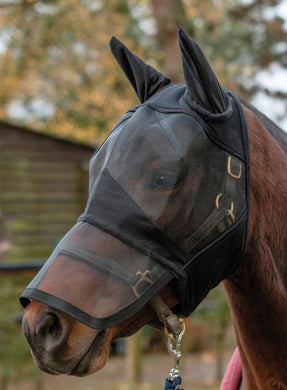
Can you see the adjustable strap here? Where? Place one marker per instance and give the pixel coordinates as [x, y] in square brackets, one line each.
[95, 260]
[222, 216]
[137, 281]
[171, 322]
[218, 215]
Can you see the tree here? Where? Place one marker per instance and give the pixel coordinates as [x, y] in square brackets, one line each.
[57, 67]
[170, 14]
[239, 38]
[58, 75]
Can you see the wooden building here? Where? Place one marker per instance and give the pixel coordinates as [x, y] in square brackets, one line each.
[43, 190]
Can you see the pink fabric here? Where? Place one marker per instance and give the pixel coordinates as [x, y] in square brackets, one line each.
[233, 376]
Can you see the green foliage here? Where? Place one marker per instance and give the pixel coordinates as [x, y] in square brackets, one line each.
[215, 311]
[57, 65]
[240, 39]
[58, 56]
[15, 358]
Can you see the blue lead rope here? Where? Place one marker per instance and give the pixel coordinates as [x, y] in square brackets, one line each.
[175, 384]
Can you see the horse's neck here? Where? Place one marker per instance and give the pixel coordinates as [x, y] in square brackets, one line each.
[257, 292]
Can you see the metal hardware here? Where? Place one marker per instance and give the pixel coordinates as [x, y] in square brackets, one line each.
[230, 211]
[173, 345]
[217, 200]
[234, 175]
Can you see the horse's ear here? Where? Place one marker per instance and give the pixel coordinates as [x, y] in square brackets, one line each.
[144, 78]
[201, 81]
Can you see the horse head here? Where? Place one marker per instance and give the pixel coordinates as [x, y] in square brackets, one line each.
[167, 214]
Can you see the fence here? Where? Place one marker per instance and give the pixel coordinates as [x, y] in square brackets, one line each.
[21, 267]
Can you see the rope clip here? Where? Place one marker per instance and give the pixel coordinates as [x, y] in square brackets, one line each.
[173, 345]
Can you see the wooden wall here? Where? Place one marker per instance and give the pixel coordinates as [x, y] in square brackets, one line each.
[43, 190]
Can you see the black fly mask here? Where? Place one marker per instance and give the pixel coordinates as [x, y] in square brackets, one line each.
[168, 199]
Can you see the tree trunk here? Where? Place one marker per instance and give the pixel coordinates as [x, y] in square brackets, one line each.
[133, 358]
[169, 14]
[4, 383]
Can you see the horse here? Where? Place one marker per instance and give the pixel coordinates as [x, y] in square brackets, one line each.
[188, 190]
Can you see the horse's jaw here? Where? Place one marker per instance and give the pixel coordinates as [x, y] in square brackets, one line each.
[67, 346]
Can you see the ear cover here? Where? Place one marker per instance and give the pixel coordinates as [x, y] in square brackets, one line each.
[202, 84]
[144, 78]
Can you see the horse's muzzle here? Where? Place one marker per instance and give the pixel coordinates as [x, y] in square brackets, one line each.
[54, 346]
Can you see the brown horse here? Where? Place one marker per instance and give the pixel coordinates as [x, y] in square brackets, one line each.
[65, 341]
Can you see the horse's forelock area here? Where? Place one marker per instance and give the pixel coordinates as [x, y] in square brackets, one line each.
[279, 134]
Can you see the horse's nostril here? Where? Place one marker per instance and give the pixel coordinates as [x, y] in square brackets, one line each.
[46, 329]
[50, 329]
[49, 325]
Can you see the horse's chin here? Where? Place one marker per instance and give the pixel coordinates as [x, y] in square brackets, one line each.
[92, 360]
[95, 358]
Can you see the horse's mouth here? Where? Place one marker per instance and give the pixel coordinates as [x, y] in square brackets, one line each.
[93, 359]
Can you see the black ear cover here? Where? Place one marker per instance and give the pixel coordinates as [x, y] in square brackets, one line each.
[145, 79]
[200, 79]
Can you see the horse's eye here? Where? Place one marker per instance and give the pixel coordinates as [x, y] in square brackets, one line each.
[163, 180]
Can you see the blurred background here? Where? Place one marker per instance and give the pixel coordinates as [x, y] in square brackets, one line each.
[61, 92]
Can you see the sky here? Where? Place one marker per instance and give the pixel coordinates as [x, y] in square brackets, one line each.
[275, 78]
